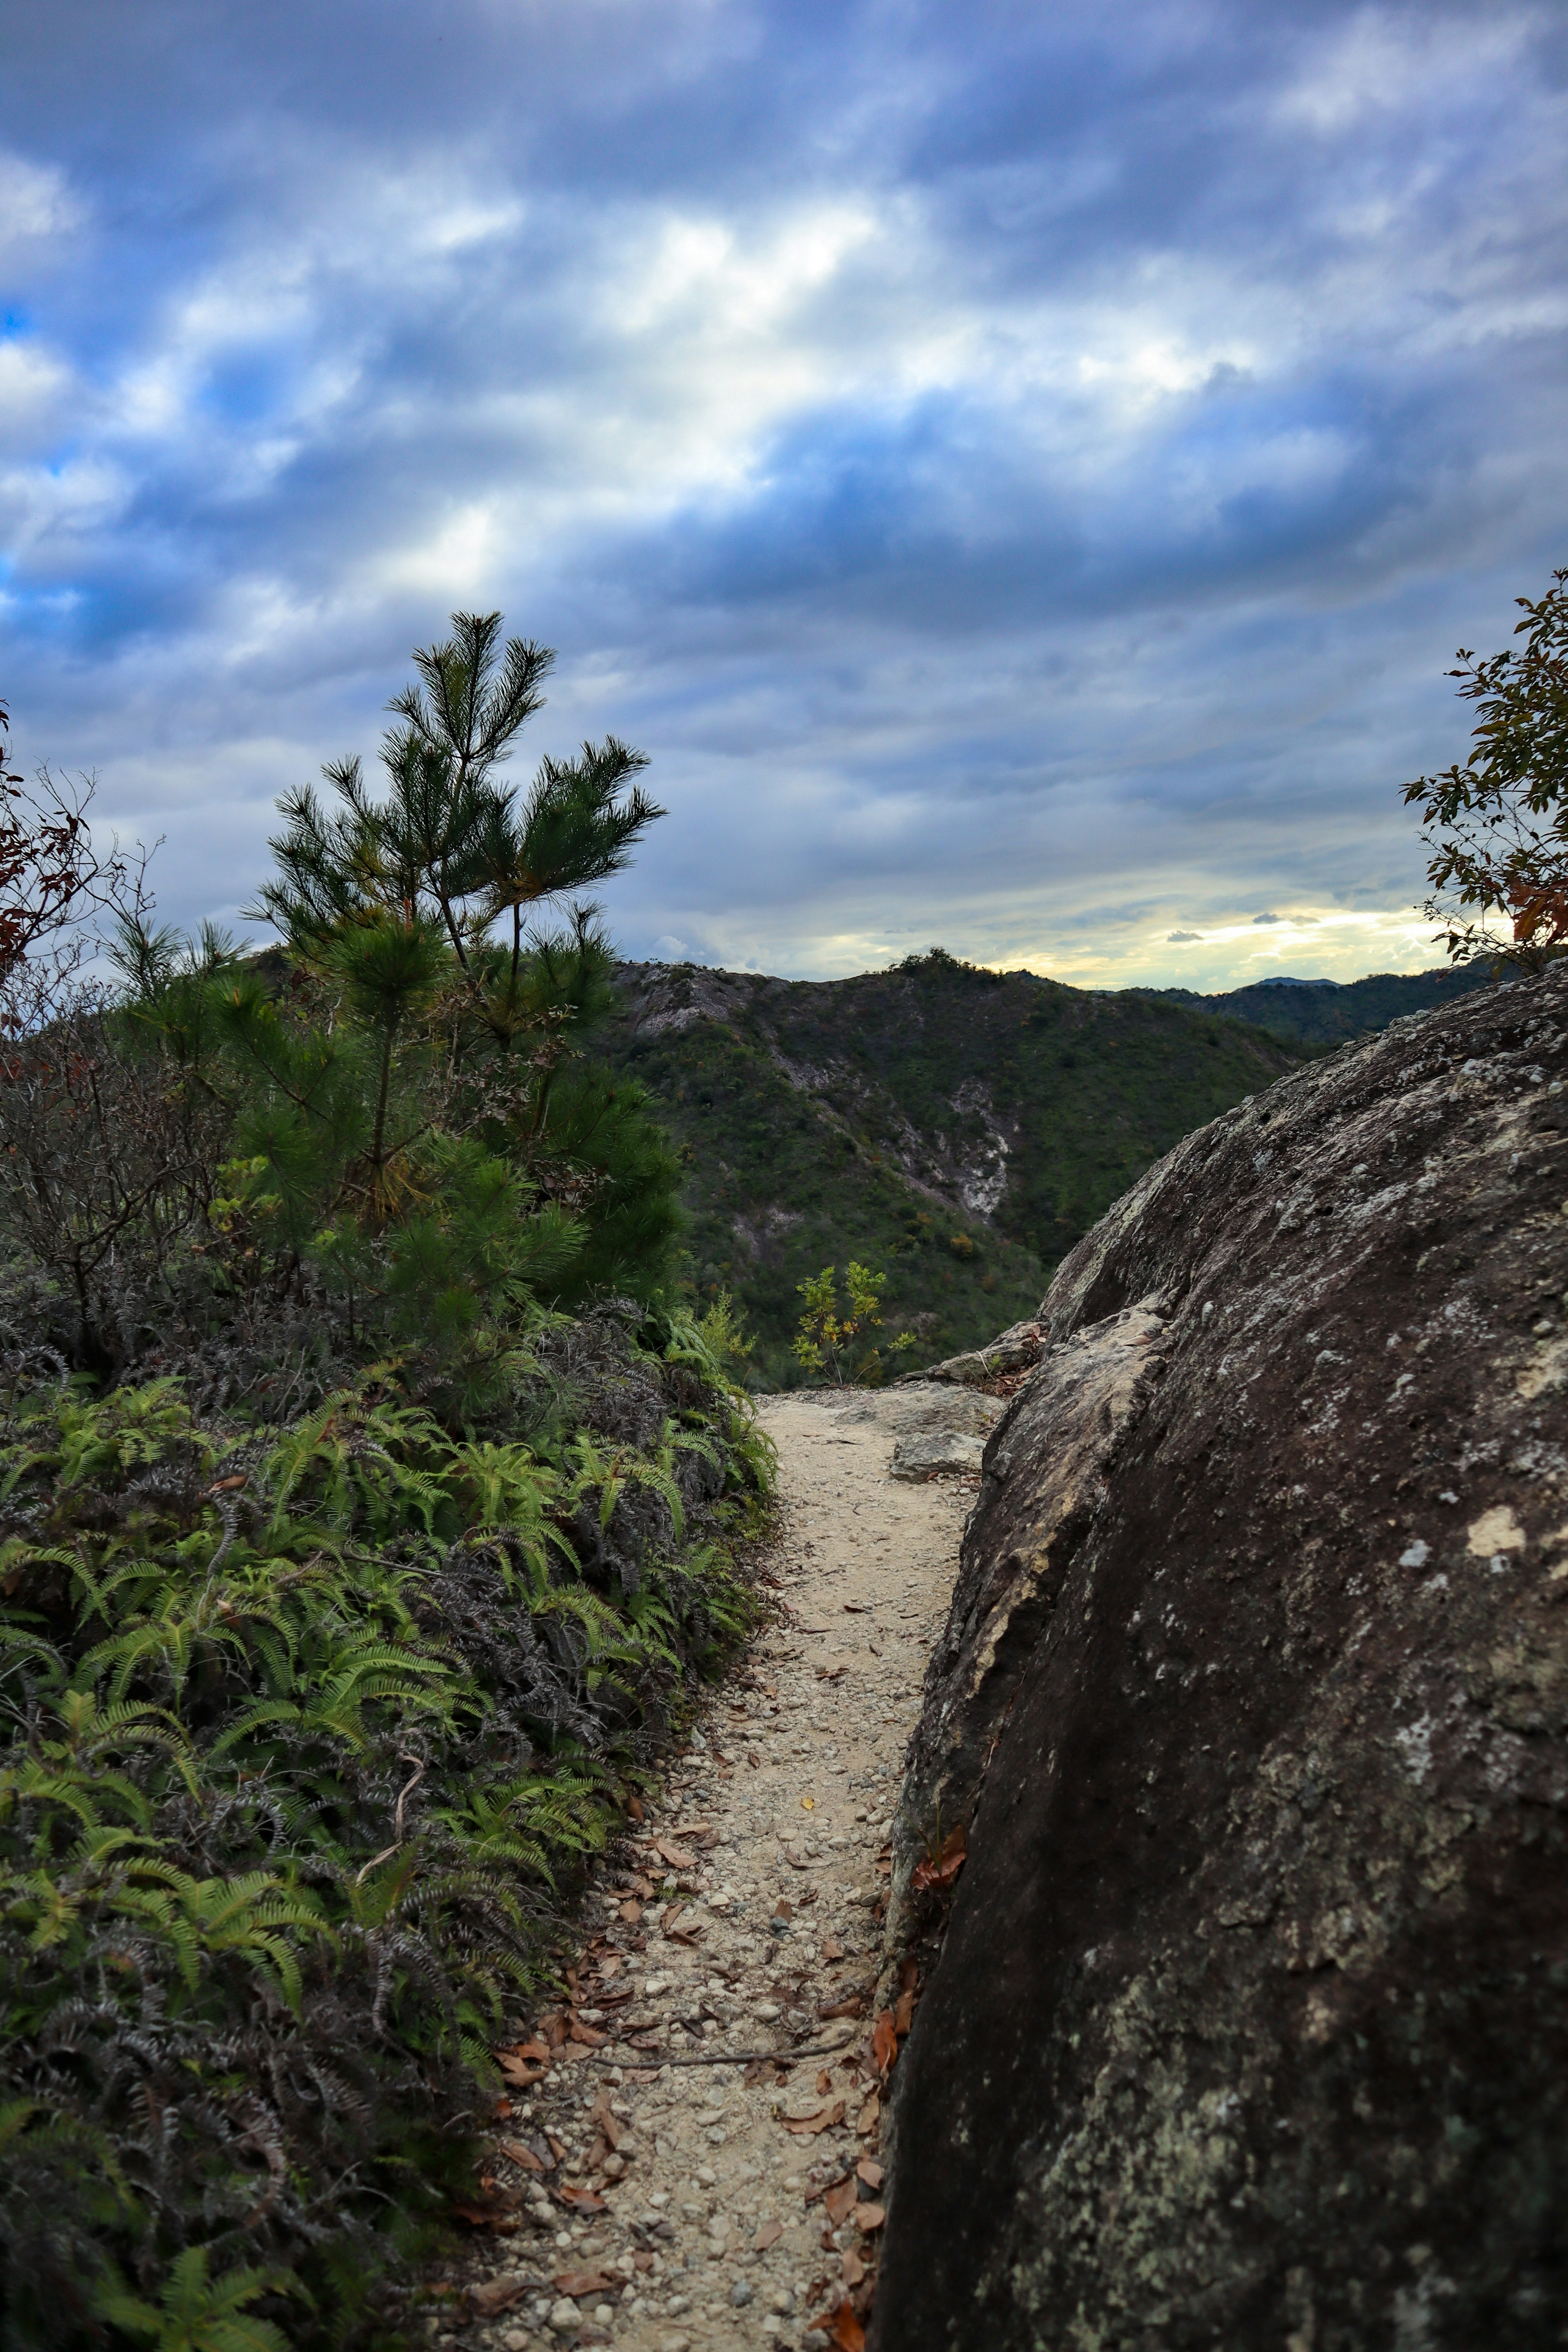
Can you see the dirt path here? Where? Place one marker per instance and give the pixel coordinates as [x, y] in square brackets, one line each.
[708, 2222]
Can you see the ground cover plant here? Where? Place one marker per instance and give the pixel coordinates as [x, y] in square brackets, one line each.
[368, 1508]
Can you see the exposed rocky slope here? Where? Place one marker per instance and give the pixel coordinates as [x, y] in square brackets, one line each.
[959, 1129]
[1251, 2026]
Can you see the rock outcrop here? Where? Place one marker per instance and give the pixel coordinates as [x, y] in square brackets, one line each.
[1017, 1349]
[1250, 2023]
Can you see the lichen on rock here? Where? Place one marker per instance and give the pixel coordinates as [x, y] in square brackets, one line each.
[1250, 2023]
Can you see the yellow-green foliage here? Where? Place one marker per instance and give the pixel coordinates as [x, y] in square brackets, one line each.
[826, 1341]
[305, 1735]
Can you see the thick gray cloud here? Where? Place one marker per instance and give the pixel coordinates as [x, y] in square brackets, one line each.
[1021, 473]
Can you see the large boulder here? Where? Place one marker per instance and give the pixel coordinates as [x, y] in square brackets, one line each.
[1249, 2025]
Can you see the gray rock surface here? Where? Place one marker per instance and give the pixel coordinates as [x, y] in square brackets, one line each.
[1015, 1351]
[936, 1454]
[1249, 2025]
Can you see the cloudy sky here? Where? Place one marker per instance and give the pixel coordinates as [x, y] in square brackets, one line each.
[1022, 471]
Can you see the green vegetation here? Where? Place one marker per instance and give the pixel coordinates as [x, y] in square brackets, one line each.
[961, 1128]
[368, 1512]
[1314, 1016]
[1498, 826]
[825, 1339]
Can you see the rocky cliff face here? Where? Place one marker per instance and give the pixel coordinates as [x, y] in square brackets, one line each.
[1250, 2024]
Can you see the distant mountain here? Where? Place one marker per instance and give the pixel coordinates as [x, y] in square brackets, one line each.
[956, 1128]
[1324, 1012]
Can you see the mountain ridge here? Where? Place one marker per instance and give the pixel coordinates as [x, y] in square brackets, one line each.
[956, 1129]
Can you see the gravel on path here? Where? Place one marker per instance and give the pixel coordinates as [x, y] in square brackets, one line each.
[709, 2224]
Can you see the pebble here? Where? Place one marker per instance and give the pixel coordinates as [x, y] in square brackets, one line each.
[740, 2294]
[564, 2316]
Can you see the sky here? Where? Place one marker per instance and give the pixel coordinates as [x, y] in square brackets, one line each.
[1022, 472]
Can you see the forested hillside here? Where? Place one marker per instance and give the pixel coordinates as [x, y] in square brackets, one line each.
[1326, 1013]
[958, 1127]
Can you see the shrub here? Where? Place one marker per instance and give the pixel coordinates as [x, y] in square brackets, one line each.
[1497, 826]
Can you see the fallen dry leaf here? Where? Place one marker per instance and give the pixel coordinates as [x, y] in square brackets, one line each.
[609, 2123]
[767, 2235]
[866, 2121]
[755, 1761]
[832, 1949]
[846, 2332]
[823, 2120]
[498, 2294]
[588, 2035]
[838, 2202]
[869, 2171]
[852, 2269]
[824, 2083]
[859, 1608]
[500, 2215]
[583, 2200]
[937, 1875]
[631, 1912]
[515, 2151]
[577, 2284]
[851, 2006]
[783, 1910]
[808, 1804]
[904, 2013]
[530, 2050]
[868, 2218]
[519, 2075]
[676, 1857]
[634, 1807]
[884, 2040]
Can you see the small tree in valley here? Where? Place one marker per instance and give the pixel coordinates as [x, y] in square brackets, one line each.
[826, 1338]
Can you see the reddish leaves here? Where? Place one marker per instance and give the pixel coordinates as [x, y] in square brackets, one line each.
[583, 2200]
[842, 2328]
[884, 2041]
[937, 1873]
[767, 2235]
[515, 2151]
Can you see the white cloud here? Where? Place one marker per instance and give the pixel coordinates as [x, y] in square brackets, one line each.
[37, 204]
